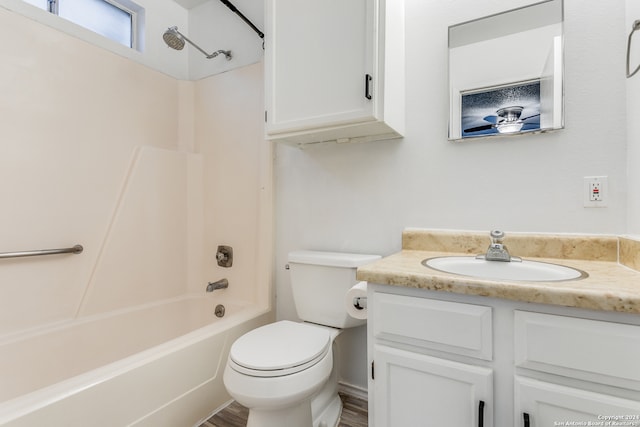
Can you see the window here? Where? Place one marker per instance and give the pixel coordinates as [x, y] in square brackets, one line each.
[106, 17]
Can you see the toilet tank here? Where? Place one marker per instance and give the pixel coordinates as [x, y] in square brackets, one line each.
[320, 280]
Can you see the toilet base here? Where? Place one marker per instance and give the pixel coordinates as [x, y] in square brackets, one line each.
[299, 416]
[326, 405]
[330, 416]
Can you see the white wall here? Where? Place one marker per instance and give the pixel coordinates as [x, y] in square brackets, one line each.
[359, 197]
[633, 125]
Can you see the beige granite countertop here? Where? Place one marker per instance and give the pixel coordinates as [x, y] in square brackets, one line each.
[611, 262]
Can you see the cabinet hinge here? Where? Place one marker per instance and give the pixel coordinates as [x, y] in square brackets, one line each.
[373, 370]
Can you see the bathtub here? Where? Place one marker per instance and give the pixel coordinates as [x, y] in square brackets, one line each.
[155, 365]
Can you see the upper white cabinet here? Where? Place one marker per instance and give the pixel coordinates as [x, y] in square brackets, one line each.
[334, 70]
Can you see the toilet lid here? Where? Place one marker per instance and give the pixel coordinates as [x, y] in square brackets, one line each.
[280, 348]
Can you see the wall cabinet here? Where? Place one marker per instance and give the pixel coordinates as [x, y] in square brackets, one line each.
[445, 359]
[334, 70]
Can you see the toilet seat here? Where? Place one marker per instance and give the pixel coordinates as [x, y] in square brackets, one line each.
[279, 349]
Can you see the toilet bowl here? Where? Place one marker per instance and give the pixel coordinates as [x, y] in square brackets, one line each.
[275, 371]
[285, 372]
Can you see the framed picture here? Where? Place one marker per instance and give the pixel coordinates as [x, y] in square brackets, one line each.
[506, 109]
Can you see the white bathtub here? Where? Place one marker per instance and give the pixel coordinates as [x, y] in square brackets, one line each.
[155, 365]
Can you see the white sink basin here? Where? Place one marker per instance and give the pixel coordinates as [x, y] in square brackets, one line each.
[530, 271]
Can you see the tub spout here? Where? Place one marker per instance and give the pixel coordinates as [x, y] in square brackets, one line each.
[220, 284]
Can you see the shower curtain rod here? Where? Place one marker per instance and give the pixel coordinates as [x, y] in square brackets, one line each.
[244, 18]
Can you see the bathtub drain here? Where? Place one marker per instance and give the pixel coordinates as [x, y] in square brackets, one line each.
[219, 311]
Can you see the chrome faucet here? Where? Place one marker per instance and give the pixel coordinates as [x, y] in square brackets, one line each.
[220, 284]
[497, 251]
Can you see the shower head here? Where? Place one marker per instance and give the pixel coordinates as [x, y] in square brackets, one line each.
[175, 40]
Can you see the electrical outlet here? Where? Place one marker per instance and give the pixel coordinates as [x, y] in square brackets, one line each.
[595, 194]
[596, 189]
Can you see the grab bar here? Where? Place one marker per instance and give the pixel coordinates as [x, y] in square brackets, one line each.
[73, 250]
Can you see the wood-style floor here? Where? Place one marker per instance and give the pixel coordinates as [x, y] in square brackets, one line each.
[354, 414]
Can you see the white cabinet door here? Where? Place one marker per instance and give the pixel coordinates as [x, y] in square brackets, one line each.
[321, 53]
[415, 390]
[542, 404]
[334, 70]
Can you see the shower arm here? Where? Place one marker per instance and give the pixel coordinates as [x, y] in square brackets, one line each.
[244, 18]
[226, 53]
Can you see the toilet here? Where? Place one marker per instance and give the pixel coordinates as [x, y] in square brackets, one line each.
[285, 372]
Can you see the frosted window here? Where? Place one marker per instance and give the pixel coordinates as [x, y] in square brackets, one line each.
[99, 16]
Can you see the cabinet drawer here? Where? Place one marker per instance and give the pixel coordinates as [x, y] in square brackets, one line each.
[590, 350]
[453, 327]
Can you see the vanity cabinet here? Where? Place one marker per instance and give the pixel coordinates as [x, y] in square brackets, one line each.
[415, 389]
[334, 70]
[599, 355]
[411, 387]
[542, 403]
[440, 358]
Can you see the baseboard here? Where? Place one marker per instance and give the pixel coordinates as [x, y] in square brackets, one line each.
[353, 390]
[215, 411]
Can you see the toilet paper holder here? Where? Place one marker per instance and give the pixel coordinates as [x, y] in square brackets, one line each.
[360, 302]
